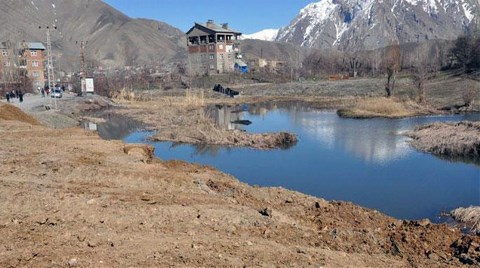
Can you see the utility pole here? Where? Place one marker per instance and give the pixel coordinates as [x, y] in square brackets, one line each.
[50, 73]
[83, 70]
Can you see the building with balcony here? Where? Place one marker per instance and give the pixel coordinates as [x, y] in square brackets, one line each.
[212, 48]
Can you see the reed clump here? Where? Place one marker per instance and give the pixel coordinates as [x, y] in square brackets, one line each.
[382, 107]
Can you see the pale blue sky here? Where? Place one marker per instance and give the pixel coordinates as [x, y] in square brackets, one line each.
[246, 16]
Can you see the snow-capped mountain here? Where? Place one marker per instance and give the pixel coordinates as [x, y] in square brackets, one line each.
[370, 24]
[265, 35]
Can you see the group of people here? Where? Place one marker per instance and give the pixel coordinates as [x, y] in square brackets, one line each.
[14, 94]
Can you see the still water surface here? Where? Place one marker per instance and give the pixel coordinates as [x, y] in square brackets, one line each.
[363, 161]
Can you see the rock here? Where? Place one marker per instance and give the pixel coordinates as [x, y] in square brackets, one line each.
[317, 205]
[465, 259]
[72, 262]
[249, 243]
[424, 222]
[266, 212]
[91, 201]
[301, 251]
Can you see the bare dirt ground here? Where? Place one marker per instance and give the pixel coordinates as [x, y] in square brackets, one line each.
[449, 140]
[69, 198]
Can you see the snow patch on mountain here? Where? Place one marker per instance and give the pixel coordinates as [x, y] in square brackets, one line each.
[266, 35]
[429, 6]
[376, 23]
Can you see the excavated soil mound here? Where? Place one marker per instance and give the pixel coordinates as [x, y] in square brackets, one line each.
[10, 112]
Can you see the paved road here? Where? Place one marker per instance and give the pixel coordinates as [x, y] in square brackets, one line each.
[31, 101]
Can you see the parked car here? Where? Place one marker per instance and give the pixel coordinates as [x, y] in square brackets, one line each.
[56, 93]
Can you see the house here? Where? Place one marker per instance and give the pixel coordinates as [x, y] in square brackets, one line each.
[212, 48]
[18, 61]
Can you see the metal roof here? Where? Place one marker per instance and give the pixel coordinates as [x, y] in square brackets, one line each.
[35, 46]
[214, 27]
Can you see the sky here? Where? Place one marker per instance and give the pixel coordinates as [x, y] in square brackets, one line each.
[246, 16]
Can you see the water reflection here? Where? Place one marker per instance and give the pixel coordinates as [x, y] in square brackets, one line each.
[117, 126]
[374, 141]
[228, 117]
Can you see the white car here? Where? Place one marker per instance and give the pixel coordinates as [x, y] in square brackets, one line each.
[56, 93]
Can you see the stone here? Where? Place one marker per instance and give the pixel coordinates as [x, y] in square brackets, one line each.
[266, 212]
[72, 262]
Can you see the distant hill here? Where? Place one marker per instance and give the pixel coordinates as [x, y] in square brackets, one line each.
[114, 39]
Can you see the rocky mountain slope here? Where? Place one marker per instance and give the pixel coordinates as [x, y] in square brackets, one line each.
[369, 24]
[114, 39]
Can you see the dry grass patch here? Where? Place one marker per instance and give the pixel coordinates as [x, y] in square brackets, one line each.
[383, 107]
[470, 215]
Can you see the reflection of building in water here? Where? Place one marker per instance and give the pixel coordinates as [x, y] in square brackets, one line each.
[225, 115]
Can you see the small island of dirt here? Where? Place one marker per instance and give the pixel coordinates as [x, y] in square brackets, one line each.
[459, 140]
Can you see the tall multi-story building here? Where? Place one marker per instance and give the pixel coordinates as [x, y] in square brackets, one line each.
[18, 61]
[212, 48]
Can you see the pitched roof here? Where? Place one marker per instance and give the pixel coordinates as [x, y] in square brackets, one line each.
[35, 46]
[213, 28]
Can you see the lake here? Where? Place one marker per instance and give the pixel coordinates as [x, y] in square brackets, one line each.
[367, 162]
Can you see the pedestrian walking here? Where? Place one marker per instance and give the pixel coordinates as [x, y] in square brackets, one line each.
[20, 96]
[7, 96]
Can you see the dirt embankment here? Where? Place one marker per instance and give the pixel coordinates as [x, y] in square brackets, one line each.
[69, 198]
[449, 140]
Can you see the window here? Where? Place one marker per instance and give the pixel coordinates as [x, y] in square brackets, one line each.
[211, 47]
[4, 53]
[36, 74]
[6, 64]
[212, 56]
[212, 67]
[33, 53]
[220, 46]
[34, 63]
[221, 56]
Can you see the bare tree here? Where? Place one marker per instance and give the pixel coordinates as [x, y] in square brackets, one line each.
[424, 68]
[354, 64]
[391, 65]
